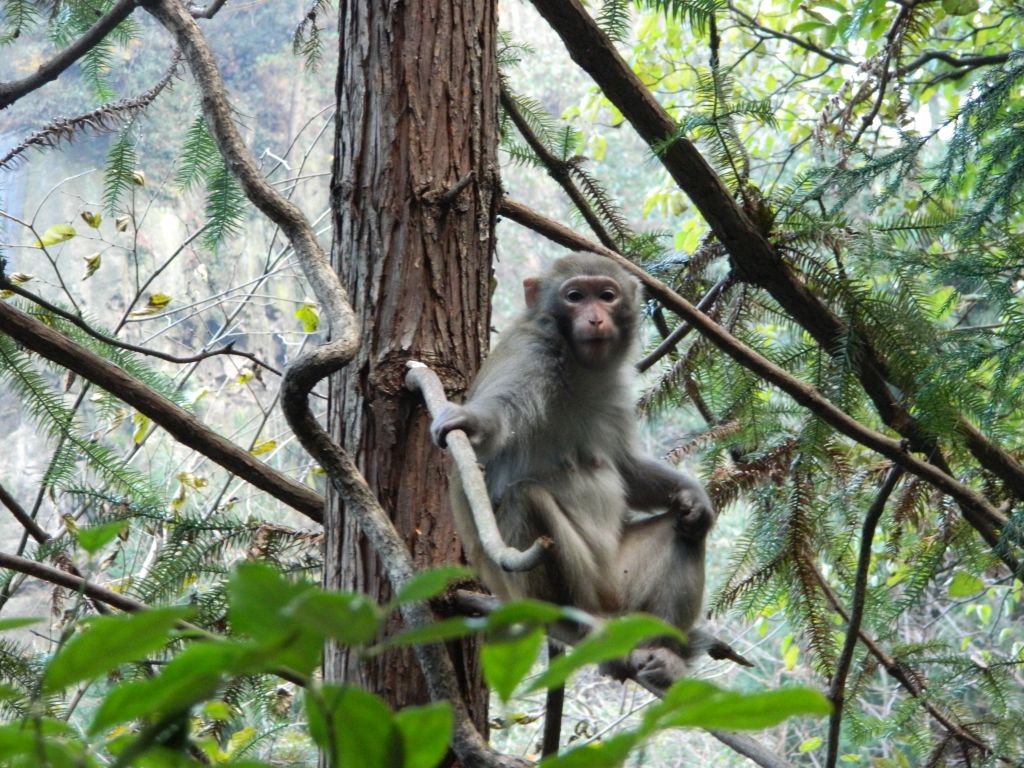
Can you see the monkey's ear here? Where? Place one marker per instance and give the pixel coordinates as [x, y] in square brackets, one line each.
[531, 290]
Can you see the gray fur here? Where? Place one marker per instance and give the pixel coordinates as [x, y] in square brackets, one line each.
[558, 441]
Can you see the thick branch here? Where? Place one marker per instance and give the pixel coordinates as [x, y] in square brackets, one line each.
[69, 581]
[421, 378]
[54, 68]
[304, 373]
[754, 257]
[977, 510]
[185, 427]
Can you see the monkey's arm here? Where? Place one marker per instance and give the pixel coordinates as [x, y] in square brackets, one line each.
[652, 484]
[510, 397]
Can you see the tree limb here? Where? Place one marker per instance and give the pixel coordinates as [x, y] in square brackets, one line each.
[185, 427]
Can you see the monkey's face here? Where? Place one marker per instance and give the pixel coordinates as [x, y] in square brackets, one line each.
[589, 312]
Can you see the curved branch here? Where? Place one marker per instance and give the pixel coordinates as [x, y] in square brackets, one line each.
[985, 518]
[186, 428]
[509, 558]
[303, 374]
[54, 68]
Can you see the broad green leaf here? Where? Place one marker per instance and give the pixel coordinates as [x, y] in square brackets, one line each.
[439, 632]
[351, 619]
[425, 733]
[605, 754]
[960, 7]
[265, 447]
[612, 641]
[142, 421]
[17, 623]
[528, 612]
[353, 727]
[257, 599]
[192, 676]
[431, 583]
[308, 315]
[699, 704]
[107, 642]
[92, 219]
[92, 540]
[507, 662]
[965, 584]
[811, 744]
[58, 233]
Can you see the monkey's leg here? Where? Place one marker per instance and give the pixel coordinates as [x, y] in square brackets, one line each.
[554, 707]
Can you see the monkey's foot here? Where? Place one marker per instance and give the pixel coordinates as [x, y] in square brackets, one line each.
[656, 667]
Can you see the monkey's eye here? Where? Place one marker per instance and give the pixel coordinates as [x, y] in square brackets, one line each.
[608, 295]
[574, 296]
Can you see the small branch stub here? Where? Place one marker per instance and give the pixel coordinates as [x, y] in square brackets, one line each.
[421, 378]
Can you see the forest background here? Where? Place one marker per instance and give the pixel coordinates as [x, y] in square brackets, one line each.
[875, 149]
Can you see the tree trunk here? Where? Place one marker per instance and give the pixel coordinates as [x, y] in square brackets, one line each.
[414, 197]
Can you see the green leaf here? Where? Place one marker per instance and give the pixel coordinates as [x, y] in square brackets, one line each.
[438, 632]
[612, 641]
[605, 754]
[92, 540]
[507, 662]
[58, 233]
[965, 584]
[699, 704]
[353, 727]
[109, 641]
[308, 315]
[17, 622]
[431, 583]
[193, 675]
[257, 599]
[350, 619]
[960, 7]
[425, 733]
[811, 744]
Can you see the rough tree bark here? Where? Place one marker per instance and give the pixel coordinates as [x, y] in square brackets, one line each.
[414, 194]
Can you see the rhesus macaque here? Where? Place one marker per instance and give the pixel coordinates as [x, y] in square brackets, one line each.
[551, 415]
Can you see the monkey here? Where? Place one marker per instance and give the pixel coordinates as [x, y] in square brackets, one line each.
[552, 419]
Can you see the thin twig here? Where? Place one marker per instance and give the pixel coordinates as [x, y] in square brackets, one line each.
[680, 332]
[837, 688]
[74, 319]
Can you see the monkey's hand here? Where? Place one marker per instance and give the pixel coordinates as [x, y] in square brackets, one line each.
[453, 417]
[695, 514]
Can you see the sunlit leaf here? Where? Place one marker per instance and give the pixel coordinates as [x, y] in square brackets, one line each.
[58, 233]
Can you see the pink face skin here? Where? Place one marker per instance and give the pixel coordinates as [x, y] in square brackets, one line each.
[590, 302]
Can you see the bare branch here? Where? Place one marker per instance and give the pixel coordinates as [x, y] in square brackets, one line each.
[185, 427]
[421, 378]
